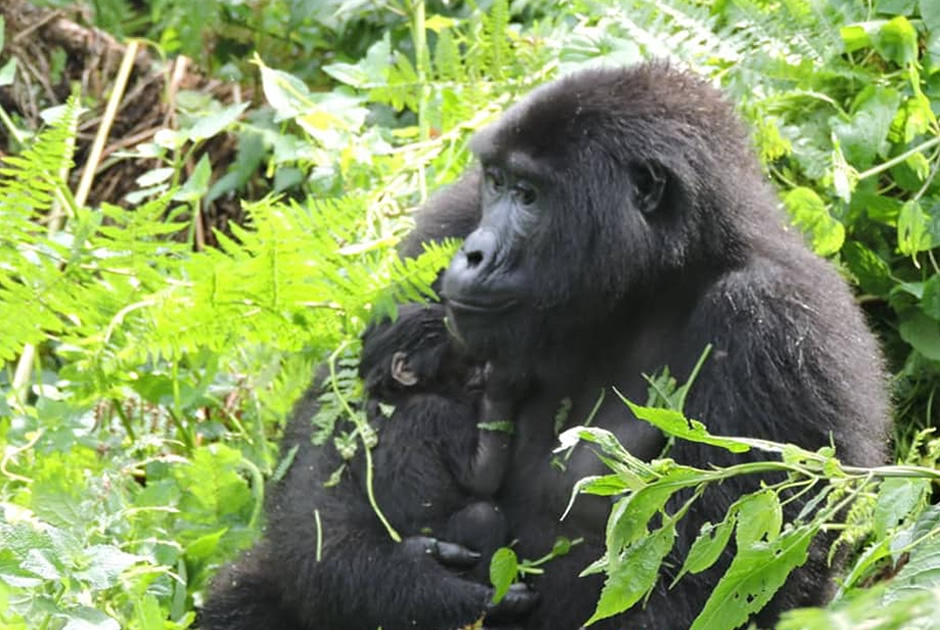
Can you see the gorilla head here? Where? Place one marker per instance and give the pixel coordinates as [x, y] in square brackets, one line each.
[595, 190]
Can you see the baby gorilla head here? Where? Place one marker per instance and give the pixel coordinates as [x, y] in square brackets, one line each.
[415, 353]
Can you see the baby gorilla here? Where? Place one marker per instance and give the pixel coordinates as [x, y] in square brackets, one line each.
[433, 470]
[441, 452]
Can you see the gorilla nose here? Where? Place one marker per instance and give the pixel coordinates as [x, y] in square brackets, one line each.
[479, 249]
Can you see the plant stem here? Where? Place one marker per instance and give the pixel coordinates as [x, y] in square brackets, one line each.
[884, 166]
[110, 112]
[362, 430]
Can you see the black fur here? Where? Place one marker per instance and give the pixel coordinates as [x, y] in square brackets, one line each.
[433, 469]
[431, 454]
[624, 225]
[617, 224]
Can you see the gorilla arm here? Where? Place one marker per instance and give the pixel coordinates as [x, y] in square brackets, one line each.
[337, 567]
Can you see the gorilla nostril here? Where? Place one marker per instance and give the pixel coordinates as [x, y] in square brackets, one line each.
[474, 258]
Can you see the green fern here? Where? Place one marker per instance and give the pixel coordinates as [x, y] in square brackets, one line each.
[31, 261]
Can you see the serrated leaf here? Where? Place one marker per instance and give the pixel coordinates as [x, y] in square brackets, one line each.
[922, 571]
[634, 573]
[809, 213]
[864, 137]
[760, 518]
[106, 565]
[39, 562]
[755, 574]
[674, 423]
[708, 545]
[504, 567]
[897, 498]
[630, 515]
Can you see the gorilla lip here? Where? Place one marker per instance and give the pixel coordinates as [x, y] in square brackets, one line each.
[481, 307]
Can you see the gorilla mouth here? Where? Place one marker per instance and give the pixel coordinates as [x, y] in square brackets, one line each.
[481, 306]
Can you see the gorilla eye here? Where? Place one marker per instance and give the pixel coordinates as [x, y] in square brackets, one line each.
[525, 193]
[494, 178]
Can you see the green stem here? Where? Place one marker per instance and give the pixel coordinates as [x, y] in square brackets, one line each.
[884, 166]
[422, 57]
[363, 431]
[257, 490]
[125, 421]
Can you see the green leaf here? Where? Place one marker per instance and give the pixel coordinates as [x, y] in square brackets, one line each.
[197, 185]
[897, 41]
[930, 14]
[922, 571]
[707, 547]
[864, 137]
[504, 567]
[205, 546]
[760, 517]
[872, 272]
[897, 498]
[209, 125]
[856, 36]
[106, 565]
[633, 574]
[913, 233]
[604, 485]
[630, 515]
[922, 333]
[674, 423]
[755, 574]
[148, 614]
[930, 302]
[895, 7]
[85, 618]
[8, 72]
[810, 214]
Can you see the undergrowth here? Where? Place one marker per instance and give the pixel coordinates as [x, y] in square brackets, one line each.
[146, 376]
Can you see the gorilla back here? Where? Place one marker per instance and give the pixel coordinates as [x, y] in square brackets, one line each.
[620, 223]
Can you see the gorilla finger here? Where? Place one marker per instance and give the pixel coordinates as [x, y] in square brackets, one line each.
[455, 555]
[518, 601]
[449, 554]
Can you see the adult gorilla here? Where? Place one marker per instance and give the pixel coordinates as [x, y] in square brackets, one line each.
[618, 223]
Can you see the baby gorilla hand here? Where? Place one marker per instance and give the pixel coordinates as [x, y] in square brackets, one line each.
[511, 609]
[449, 554]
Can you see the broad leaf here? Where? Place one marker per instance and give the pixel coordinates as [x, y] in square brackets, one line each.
[504, 567]
[634, 574]
[755, 574]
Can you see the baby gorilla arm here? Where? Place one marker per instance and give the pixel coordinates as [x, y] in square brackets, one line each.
[487, 467]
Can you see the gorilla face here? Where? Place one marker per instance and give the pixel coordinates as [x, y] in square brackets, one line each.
[573, 220]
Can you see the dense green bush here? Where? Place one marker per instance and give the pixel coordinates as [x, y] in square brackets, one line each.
[146, 377]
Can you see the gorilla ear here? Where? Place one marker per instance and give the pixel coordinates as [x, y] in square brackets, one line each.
[401, 370]
[650, 181]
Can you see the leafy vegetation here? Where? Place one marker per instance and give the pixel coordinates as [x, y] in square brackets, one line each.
[146, 374]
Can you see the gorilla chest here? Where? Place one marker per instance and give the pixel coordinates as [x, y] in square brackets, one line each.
[540, 479]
